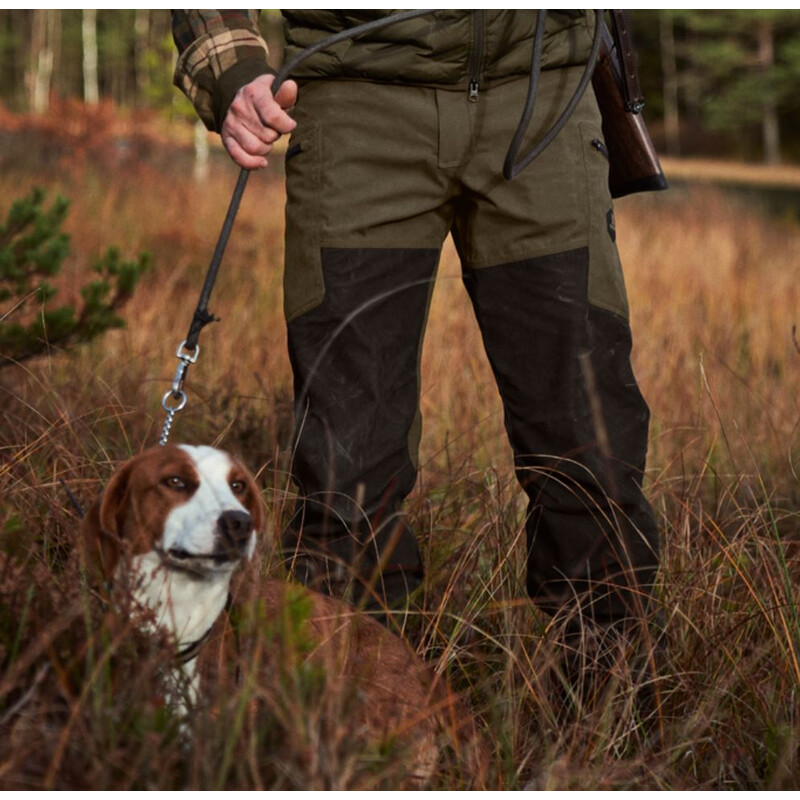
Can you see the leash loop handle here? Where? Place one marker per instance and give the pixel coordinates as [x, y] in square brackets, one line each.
[514, 164]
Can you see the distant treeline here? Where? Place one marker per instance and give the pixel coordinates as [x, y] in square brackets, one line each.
[716, 82]
[722, 82]
[125, 56]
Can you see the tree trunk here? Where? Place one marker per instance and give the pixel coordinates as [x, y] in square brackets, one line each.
[770, 128]
[669, 71]
[141, 44]
[200, 152]
[21, 35]
[45, 34]
[91, 86]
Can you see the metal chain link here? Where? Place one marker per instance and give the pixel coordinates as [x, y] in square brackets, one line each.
[171, 412]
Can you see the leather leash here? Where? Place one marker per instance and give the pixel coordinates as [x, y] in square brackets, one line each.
[174, 399]
[188, 350]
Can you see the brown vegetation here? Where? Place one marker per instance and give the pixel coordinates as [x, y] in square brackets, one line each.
[714, 293]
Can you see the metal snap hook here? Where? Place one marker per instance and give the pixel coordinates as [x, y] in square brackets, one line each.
[189, 356]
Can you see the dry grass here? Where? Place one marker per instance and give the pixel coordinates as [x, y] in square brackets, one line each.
[785, 176]
[714, 292]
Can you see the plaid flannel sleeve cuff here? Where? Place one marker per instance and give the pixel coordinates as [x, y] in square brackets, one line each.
[213, 67]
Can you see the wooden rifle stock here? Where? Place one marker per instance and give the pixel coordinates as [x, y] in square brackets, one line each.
[633, 162]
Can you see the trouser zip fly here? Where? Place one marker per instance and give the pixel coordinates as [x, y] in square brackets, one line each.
[476, 59]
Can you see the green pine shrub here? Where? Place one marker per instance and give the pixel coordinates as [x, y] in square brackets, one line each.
[32, 251]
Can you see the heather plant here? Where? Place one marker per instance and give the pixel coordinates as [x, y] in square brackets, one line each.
[715, 291]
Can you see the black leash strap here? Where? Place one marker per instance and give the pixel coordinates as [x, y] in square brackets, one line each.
[202, 316]
[174, 399]
[189, 349]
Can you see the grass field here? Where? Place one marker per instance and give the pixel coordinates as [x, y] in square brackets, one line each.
[715, 292]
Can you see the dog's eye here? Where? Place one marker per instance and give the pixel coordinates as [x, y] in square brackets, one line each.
[175, 482]
[237, 487]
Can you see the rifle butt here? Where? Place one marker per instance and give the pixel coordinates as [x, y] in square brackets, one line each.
[633, 162]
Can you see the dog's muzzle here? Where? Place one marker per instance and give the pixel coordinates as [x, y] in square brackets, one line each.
[235, 529]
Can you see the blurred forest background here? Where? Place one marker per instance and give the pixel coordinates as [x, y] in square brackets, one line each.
[721, 83]
[108, 179]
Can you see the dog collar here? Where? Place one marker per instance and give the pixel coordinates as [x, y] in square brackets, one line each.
[190, 651]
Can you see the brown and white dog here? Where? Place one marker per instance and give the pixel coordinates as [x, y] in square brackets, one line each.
[173, 525]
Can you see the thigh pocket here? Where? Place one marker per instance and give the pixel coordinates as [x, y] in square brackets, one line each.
[606, 282]
[303, 284]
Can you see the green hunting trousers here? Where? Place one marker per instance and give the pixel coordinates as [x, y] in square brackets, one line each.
[377, 176]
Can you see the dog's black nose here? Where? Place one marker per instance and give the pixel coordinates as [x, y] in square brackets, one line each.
[235, 528]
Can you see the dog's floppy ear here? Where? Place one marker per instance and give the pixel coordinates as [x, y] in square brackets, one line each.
[101, 529]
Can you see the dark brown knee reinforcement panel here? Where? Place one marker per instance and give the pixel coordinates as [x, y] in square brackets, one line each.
[557, 360]
[357, 392]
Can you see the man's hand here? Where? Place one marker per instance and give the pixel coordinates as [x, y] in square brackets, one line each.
[256, 120]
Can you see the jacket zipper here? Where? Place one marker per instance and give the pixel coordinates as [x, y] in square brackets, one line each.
[476, 58]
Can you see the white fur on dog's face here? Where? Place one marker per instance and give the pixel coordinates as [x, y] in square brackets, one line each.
[192, 527]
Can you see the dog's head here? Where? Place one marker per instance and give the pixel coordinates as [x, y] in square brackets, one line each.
[197, 508]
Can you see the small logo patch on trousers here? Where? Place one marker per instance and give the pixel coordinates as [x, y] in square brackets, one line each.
[612, 229]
